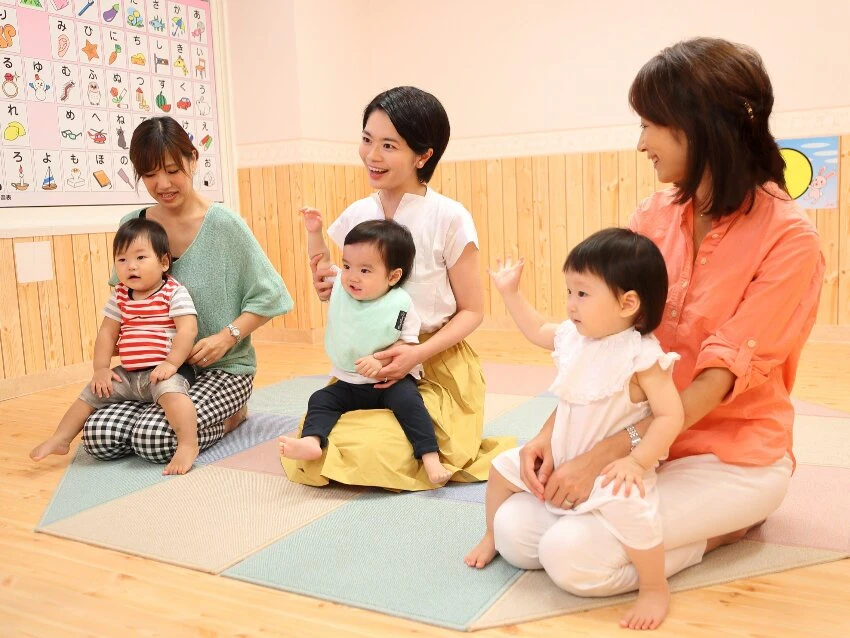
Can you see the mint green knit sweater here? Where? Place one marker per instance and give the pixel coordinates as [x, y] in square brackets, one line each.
[227, 273]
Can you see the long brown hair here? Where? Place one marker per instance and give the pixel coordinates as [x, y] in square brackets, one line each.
[719, 95]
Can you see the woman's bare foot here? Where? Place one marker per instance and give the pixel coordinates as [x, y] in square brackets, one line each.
[182, 460]
[730, 538]
[650, 608]
[235, 420]
[482, 554]
[437, 473]
[306, 449]
[52, 445]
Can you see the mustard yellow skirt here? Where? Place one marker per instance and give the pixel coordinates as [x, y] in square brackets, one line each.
[368, 447]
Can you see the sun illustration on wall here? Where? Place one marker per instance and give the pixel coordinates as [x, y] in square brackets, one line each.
[798, 171]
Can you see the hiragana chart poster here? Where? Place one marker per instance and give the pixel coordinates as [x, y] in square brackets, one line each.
[78, 76]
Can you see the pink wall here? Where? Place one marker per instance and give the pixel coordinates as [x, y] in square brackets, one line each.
[503, 67]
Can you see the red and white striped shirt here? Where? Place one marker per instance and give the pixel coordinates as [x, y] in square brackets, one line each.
[147, 325]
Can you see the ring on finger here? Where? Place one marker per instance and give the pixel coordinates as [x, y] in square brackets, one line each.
[568, 504]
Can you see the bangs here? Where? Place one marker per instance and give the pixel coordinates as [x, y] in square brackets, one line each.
[651, 95]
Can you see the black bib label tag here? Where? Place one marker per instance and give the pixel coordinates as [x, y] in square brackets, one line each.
[400, 321]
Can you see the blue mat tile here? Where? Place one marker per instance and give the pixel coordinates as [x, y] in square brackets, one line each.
[366, 554]
[89, 482]
[524, 421]
[287, 397]
[258, 428]
[465, 492]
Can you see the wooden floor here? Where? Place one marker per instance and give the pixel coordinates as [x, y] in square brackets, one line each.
[54, 587]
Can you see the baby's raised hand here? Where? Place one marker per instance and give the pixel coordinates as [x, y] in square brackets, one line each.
[101, 382]
[312, 219]
[625, 471]
[506, 276]
[368, 366]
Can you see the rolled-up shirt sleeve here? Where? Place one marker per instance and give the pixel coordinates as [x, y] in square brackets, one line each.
[775, 313]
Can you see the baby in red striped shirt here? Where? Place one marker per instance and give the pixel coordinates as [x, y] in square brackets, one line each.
[151, 319]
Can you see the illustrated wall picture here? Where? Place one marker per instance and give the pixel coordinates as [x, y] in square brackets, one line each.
[811, 170]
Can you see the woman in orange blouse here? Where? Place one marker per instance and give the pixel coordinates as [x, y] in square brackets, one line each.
[745, 272]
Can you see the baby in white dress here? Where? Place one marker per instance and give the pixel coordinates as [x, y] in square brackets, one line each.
[612, 374]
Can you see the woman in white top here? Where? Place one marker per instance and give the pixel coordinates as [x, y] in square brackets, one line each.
[405, 132]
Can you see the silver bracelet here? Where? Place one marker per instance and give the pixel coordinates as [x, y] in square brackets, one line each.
[634, 437]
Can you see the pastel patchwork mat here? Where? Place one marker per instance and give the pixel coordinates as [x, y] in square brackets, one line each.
[236, 515]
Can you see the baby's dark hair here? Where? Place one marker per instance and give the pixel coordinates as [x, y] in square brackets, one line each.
[625, 260]
[141, 227]
[419, 118]
[393, 241]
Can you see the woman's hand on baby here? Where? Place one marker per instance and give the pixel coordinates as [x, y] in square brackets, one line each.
[368, 366]
[507, 275]
[312, 219]
[163, 371]
[210, 349]
[536, 463]
[572, 482]
[625, 471]
[323, 288]
[398, 360]
[101, 382]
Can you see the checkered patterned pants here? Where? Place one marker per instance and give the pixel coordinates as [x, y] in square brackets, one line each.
[141, 428]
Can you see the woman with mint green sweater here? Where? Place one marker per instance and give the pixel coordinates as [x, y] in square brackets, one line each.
[232, 283]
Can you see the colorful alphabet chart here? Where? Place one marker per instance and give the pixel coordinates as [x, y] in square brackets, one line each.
[78, 76]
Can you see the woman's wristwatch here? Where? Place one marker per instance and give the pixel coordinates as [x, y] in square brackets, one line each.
[234, 332]
[634, 437]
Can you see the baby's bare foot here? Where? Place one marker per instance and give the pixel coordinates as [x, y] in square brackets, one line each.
[50, 446]
[182, 460]
[437, 473]
[235, 420]
[649, 609]
[306, 449]
[483, 553]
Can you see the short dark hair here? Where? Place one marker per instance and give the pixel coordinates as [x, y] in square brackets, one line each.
[393, 241]
[142, 227]
[625, 260]
[719, 94]
[155, 141]
[419, 118]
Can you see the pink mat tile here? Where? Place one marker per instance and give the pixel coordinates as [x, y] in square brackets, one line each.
[814, 409]
[506, 378]
[815, 513]
[262, 458]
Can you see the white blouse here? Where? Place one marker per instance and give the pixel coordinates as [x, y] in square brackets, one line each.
[441, 229]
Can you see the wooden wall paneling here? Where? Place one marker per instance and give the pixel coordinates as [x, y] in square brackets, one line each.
[51, 322]
[542, 252]
[436, 181]
[361, 183]
[626, 185]
[592, 196]
[11, 337]
[463, 173]
[448, 180]
[31, 333]
[844, 231]
[244, 177]
[829, 228]
[313, 195]
[558, 233]
[574, 166]
[100, 272]
[303, 280]
[258, 208]
[609, 192]
[495, 232]
[272, 217]
[86, 310]
[645, 177]
[510, 247]
[479, 210]
[66, 288]
[110, 239]
[287, 250]
[526, 226]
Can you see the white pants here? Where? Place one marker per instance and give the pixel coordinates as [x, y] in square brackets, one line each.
[700, 497]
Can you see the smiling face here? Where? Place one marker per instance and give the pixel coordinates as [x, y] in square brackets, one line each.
[594, 309]
[171, 185]
[667, 149]
[364, 274]
[138, 267]
[391, 164]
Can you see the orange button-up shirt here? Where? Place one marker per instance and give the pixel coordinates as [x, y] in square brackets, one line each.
[747, 302]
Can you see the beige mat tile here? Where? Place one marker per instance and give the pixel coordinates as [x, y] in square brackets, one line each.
[497, 404]
[822, 440]
[534, 596]
[208, 519]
